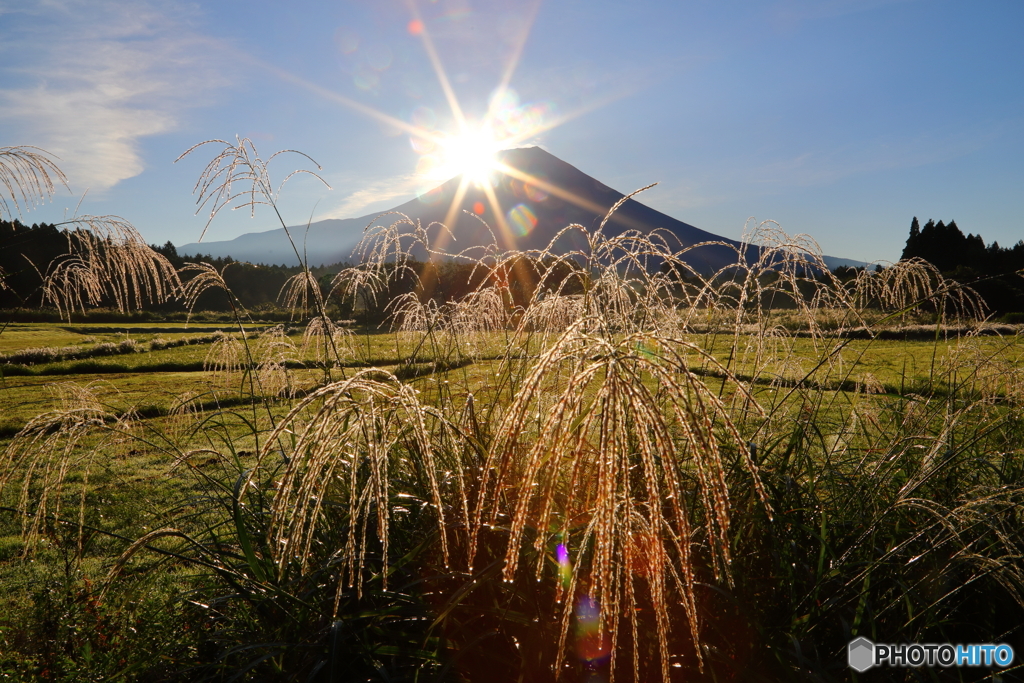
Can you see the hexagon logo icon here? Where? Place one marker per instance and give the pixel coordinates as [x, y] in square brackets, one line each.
[861, 654]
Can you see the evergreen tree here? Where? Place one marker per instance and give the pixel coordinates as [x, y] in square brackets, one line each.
[910, 251]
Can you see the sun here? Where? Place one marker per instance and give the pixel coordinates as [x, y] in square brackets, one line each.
[473, 154]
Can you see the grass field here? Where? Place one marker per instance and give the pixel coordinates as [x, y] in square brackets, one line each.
[155, 379]
[599, 465]
[176, 429]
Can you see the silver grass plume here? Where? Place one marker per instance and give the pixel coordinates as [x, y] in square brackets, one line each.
[611, 461]
[28, 176]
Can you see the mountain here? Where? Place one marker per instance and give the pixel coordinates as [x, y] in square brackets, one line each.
[538, 195]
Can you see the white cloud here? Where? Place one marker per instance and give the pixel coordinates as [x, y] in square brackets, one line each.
[379, 195]
[86, 80]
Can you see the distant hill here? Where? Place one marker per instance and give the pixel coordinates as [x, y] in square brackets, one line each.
[538, 197]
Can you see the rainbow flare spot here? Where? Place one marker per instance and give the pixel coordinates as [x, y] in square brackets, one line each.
[592, 641]
[522, 219]
[564, 567]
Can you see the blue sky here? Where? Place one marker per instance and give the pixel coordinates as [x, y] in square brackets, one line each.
[841, 119]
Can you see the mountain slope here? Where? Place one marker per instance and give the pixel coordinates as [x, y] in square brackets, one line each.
[537, 194]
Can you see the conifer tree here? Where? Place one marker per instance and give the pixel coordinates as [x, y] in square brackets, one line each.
[913, 245]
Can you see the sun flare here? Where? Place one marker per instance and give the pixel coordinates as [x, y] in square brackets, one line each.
[471, 154]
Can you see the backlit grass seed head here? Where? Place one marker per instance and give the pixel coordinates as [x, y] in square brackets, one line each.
[273, 350]
[237, 177]
[910, 283]
[984, 367]
[632, 437]
[772, 354]
[484, 310]
[617, 279]
[273, 379]
[350, 445]
[185, 413]
[360, 285]
[46, 465]
[71, 286]
[389, 247]
[29, 177]
[789, 270]
[301, 293]
[324, 340]
[226, 357]
[108, 259]
[553, 313]
[200, 278]
[408, 314]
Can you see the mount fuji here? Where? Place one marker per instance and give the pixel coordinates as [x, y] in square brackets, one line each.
[537, 195]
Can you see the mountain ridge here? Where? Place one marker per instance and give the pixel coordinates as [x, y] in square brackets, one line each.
[537, 195]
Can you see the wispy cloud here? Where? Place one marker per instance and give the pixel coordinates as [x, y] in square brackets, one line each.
[87, 79]
[378, 195]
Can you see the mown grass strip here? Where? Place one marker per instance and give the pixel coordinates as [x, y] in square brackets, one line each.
[404, 371]
[933, 389]
[92, 367]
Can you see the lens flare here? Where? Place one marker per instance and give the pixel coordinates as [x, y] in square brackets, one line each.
[511, 119]
[522, 219]
[347, 40]
[423, 117]
[427, 165]
[527, 190]
[534, 193]
[646, 351]
[564, 567]
[379, 56]
[593, 644]
[365, 78]
[422, 145]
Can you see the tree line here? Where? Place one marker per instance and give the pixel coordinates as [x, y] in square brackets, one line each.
[990, 270]
[27, 254]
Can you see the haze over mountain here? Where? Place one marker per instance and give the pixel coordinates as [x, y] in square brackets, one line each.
[538, 195]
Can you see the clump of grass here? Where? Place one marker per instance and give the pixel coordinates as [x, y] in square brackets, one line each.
[225, 357]
[914, 283]
[610, 443]
[55, 451]
[365, 434]
[107, 260]
[272, 353]
[325, 340]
